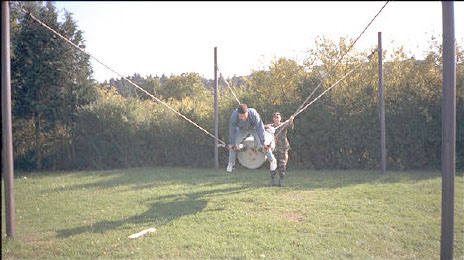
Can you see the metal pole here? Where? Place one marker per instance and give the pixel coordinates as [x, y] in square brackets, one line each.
[216, 156]
[448, 146]
[7, 143]
[383, 154]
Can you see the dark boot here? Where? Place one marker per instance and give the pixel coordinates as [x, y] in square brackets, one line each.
[281, 182]
[272, 181]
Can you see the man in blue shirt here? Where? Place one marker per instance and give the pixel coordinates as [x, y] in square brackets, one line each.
[244, 121]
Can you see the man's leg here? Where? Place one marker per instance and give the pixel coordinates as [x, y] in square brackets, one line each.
[241, 136]
[232, 154]
[273, 174]
[272, 160]
[282, 158]
[231, 163]
[256, 139]
[270, 157]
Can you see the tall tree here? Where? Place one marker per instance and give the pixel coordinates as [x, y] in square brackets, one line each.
[50, 78]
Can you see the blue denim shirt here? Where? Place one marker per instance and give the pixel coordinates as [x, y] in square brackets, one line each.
[253, 122]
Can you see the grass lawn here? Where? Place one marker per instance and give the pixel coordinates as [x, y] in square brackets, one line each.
[208, 214]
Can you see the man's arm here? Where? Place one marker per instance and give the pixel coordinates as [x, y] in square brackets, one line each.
[258, 125]
[285, 125]
[289, 123]
[233, 127]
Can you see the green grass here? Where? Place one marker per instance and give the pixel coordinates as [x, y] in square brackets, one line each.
[207, 214]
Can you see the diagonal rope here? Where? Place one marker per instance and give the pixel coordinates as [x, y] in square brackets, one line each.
[323, 93]
[299, 110]
[128, 80]
[220, 76]
[369, 24]
[333, 85]
[303, 106]
[310, 95]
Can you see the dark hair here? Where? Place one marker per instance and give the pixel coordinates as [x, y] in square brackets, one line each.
[242, 108]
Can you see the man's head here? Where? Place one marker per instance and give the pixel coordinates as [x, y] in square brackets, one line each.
[242, 110]
[276, 117]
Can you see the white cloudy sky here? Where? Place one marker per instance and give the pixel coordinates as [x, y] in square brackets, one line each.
[176, 37]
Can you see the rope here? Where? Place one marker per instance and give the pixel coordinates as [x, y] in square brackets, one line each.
[323, 93]
[297, 112]
[310, 95]
[128, 80]
[333, 85]
[381, 9]
[236, 99]
[302, 107]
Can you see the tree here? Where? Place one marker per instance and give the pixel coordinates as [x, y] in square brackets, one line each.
[278, 89]
[185, 85]
[50, 79]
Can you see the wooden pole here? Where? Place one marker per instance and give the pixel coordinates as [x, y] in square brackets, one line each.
[448, 146]
[7, 139]
[383, 154]
[216, 156]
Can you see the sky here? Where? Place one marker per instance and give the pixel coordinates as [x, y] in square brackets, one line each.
[175, 37]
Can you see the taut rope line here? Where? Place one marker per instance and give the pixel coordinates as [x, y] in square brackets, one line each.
[323, 93]
[298, 111]
[333, 85]
[235, 96]
[339, 60]
[303, 106]
[128, 80]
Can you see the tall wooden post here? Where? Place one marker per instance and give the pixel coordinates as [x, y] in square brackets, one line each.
[7, 137]
[448, 146]
[216, 156]
[383, 154]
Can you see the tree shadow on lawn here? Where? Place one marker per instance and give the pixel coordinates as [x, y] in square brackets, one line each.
[165, 209]
[142, 178]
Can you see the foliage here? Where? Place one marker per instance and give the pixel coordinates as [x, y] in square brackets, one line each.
[50, 80]
[127, 132]
[63, 120]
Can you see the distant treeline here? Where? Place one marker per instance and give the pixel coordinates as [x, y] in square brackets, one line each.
[64, 120]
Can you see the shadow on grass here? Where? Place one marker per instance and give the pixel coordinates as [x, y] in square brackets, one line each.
[161, 212]
[332, 179]
[146, 178]
[142, 178]
[340, 178]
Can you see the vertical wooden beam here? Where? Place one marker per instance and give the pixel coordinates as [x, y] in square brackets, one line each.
[448, 147]
[383, 154]
[216, 156]
[7, 137]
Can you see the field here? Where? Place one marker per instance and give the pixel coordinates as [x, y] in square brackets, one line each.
[208, 214]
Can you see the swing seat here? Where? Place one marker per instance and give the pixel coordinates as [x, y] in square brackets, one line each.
[252, 158]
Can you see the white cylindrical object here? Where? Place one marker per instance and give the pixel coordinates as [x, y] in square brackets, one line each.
[254, 159]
